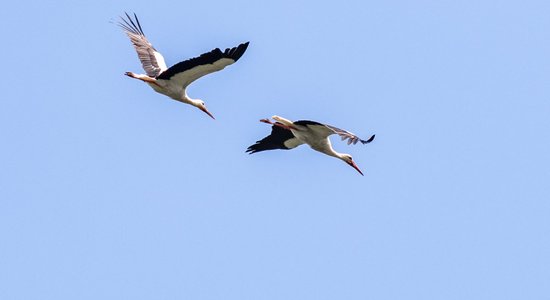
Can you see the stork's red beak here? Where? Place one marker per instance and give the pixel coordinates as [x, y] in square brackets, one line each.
[207, 112]
[351, 163]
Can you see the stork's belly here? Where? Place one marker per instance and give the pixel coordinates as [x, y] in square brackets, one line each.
[169, 91]
[315, 142]
[306, 138]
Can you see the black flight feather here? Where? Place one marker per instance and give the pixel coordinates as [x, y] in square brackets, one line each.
[207, 58]
[276, 140]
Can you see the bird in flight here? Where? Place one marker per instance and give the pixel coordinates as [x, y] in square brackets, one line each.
[174, 81]
[286, 134]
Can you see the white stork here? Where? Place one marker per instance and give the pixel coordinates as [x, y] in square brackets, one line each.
[173, 81]
[286, 134]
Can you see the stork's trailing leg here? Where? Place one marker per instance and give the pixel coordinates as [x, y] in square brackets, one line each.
[143, 78]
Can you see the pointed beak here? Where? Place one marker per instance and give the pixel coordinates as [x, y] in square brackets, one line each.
[351, 163]
[207, 112]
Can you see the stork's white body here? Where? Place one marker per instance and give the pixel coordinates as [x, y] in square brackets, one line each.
[170, 89]
[315, 135]
[287, 135]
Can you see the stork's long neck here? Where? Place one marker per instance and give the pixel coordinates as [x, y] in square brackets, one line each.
[326, 148]
[188, 100]
[331, 152]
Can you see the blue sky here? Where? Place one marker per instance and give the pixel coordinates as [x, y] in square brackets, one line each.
[111, 191]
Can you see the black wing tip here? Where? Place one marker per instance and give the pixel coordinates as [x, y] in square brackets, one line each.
[131, 25]
[254, 148]
[369, 140]
[128, 15]
[259, 146]
[235, 53]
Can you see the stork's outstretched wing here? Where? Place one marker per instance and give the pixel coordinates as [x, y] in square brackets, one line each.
[185, 72]
[151, 60]
[352, 138]
[280, 138]
[325, 130]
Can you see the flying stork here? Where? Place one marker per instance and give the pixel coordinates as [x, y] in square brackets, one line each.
[286, 134]
[173, 81]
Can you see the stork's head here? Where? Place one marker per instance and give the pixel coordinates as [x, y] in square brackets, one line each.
[200, 105]
[349, 160]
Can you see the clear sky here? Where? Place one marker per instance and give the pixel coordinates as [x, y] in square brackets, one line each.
[109, 190]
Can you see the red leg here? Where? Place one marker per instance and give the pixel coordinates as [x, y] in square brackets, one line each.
[142, 78]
